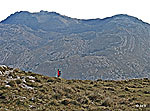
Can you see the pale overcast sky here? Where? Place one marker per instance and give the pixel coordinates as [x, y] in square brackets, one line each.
[82, 9]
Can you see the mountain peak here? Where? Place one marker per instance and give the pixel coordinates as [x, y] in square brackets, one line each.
[46, 12]
[16, 15]
[129, 17]
[37, 19]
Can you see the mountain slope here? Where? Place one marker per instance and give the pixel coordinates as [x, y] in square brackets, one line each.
[20, 90]
[112, 48]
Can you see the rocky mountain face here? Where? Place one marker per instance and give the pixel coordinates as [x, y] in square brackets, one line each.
[28, 91]
[116, 47]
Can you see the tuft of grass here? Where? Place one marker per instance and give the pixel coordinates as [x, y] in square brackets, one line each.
[12, 83]
[107, 102]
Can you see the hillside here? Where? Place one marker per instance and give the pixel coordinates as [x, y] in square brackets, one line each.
[113, 48]
[22, 91]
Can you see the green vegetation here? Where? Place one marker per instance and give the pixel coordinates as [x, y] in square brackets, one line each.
[24, 91]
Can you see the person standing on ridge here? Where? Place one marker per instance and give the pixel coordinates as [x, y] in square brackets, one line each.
[58, 73]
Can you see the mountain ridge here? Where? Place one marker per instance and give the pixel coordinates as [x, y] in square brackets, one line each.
[58, 14]
[116, 47]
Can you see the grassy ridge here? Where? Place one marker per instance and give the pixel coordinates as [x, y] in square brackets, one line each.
[24, 91]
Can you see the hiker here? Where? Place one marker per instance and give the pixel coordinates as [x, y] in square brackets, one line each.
[58, 73]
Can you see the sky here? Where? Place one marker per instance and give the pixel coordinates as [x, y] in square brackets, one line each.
[81, 9]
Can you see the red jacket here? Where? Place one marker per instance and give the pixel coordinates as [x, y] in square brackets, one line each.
[58, 73]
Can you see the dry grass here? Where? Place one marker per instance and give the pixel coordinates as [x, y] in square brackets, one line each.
[42, 93]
